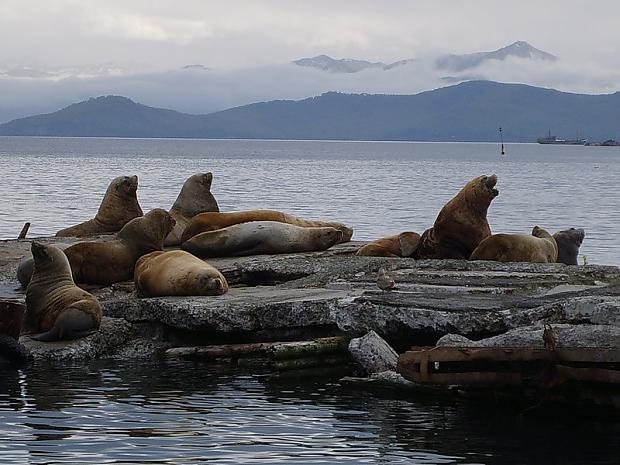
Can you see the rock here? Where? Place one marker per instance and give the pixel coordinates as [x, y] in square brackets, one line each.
[593, 336]
[112, 333]
[373, 353]
[11, 317]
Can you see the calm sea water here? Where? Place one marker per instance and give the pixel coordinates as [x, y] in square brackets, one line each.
[380, 188]
[182, 412]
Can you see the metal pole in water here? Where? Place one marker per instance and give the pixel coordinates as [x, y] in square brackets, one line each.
[503, 152]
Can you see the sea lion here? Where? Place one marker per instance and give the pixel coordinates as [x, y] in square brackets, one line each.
[540, 247]
[569, 241]
[261, 237]
[195, 197]
[113, 261]
[401, 245]
[177, 272]
[462, 223]
[211, 221]
[119, 206]
[55, 307]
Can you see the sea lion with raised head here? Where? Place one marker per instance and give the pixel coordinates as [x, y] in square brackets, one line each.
[119, 206]
[211, 221]
[569, 241]
[540, 247]
[195, 197]
[400, 245]
[55, 307]
[112, 261]
[177, 272]
[462, 223]
[261, 237]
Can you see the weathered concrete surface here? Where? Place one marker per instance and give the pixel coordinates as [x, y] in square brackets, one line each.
[113, 333]
[373, 354]
[591, 336]
[336, 291]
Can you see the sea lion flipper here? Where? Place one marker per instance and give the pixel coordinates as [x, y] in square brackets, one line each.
[72, 323]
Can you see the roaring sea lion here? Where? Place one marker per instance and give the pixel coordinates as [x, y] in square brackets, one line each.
[55, 307]
[177, 273]
[195, 197]
[211, 221]
[462, 223]
[261, 237]
[119, 206]
[401, 245]
[540, 247]
[113, 261]
[569, 241]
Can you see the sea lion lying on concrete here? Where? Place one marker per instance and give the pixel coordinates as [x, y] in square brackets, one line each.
[113, 261]
[462, 223]
[55, 307]
[119, 206]
[211, 221]
[401, 245]
[195, 197]
[261, 237]
[569, 241]
[540, 247]
[177, 272]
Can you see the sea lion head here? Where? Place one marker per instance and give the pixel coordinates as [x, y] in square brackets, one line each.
[330, 236]
[216, 286]
[569, 241]
[126, 186]
[120, 203]
[48, 257]
[195, 196]
[149, 231]
[482, 188]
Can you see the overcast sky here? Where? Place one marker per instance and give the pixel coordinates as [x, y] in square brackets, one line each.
[147, 34]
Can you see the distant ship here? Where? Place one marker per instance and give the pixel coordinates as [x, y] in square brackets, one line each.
[554, 140]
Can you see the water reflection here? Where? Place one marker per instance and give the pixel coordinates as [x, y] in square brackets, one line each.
[181, 412]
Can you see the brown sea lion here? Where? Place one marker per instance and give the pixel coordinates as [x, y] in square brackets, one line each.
[569, 241]
[211, 221]
[55, 307]
[261, 237]
[195, 197]
[177, 272]
[462, 223]
[540, 247]
[119, 206]
[401, 245]
[113, 261]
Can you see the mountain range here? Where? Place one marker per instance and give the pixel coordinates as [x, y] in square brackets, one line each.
[454, 63]
[471, 111]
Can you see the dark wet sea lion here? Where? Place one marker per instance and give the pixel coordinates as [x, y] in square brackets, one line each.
[400, 245]
[569, 241]
[211, 221]
[462, 223]
[177, 272]
[540, 247]
[55, 307]
[261, 237]
[119, 206]
[195, 197]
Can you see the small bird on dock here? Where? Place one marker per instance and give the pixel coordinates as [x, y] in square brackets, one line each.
[385, 280]
[550, 337]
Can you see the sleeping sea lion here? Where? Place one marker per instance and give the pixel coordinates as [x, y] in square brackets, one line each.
[177, 273]
[55, 307]
[540, 247]
[119, 206]
[569, 241]
[195, 197]
[211, 221]
[261, 237]
[113, 261]
[401, 245]
[462, 223]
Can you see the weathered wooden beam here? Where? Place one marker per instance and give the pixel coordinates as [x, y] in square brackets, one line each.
[24, 231]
